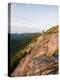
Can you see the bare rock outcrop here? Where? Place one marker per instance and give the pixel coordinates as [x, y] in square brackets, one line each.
[43, 56]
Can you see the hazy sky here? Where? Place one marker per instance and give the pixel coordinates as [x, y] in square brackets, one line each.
[32, 17]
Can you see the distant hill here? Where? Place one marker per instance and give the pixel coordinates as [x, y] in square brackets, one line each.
[19, 41]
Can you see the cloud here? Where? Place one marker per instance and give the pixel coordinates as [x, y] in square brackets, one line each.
[33, 16]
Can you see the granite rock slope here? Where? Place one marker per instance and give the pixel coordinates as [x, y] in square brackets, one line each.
[42, 57]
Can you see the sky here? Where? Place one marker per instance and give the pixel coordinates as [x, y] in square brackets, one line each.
[28, 18]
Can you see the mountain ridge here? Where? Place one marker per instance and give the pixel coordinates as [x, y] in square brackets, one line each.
[41, 55]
